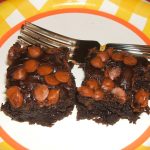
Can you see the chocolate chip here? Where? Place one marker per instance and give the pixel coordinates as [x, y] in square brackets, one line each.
[14, 96]
[120, 94]
[41, 92]
[92, 83]
[31, 65]
[98, 95]
[103, 55]
[114, 72]
[19, 74]
[44, 70]
[85, 91]
[108, 84]
[51, 80]
[62, 76]
[97, 62]
[34, 51]
[130, 60]
[142, 97]
[118, 56]
[53, 96]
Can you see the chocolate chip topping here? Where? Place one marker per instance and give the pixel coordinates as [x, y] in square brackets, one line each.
[98, 95]
[85, 91]
[92, 83]
[103, 55]
[62, 76]
[97, 62]
[142, 97]
[108, 84]
[41, 92]
[19, 74]
[44, 70]
[53, 96]
[51, 80]
[114, 72]
[34, 51]
[31, 65]
[14, 96]
[117, 56]
[130, 60]
[120, 94]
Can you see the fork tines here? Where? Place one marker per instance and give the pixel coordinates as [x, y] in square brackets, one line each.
[32, 34]
[139, 50]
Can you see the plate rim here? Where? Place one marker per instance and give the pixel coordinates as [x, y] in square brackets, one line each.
[4, 38]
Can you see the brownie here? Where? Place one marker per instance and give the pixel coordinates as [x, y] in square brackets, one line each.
[40, 87]
[116, 86]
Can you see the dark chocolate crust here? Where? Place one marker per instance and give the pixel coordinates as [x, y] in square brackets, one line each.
[30, 110]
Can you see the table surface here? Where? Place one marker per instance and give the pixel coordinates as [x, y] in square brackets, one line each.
[136, 12]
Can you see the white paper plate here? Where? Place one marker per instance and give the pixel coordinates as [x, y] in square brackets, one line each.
[69, 134]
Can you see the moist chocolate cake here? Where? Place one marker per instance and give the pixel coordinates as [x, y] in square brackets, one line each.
[40, 86]
[116, 85]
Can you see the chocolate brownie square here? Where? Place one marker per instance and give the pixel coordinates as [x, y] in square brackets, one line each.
[40, 87]
[116, 85]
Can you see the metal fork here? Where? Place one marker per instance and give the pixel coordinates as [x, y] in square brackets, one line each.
[33, 34]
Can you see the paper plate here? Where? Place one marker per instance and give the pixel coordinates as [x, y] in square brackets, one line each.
[69, 134]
